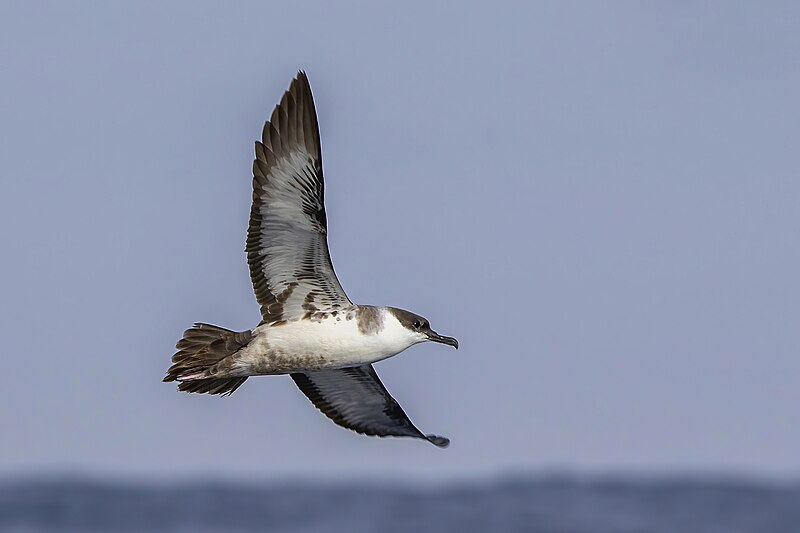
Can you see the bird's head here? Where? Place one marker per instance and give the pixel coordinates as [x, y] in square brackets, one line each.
[419, 329]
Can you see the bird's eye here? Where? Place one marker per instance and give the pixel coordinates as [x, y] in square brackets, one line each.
[416, 324]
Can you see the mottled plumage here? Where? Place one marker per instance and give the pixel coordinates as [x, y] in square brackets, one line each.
[309, 328]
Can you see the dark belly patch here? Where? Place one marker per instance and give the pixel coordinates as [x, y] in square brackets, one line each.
[275, 362]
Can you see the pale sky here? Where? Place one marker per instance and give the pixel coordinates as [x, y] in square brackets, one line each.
[600, 200]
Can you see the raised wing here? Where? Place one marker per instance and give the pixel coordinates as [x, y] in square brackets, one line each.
[287, 248]
[356, 399]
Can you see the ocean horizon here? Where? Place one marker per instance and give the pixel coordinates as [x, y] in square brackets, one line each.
[568, 504]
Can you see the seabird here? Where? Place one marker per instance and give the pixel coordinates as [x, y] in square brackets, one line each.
[309, 328]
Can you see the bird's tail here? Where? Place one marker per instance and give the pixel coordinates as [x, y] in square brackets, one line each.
[202, 362]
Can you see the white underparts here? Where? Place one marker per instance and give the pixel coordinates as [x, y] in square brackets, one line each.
[334, 342]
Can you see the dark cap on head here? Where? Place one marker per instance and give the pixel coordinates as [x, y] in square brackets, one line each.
[415, 322]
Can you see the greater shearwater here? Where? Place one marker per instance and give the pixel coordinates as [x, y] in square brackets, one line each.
[309, 328]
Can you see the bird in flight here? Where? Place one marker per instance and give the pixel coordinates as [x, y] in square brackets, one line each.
[309, 328]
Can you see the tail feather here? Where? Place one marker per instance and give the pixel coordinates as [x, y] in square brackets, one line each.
[212, 386]
[203, 359]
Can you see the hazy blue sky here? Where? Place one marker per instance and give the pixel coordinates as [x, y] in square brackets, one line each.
[600, 200]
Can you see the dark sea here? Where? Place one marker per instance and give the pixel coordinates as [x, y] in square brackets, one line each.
[540, 505]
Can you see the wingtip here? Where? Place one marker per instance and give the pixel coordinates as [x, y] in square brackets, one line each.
[436, 440]
[301, 76]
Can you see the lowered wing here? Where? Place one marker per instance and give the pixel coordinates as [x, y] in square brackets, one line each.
[356, 399]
